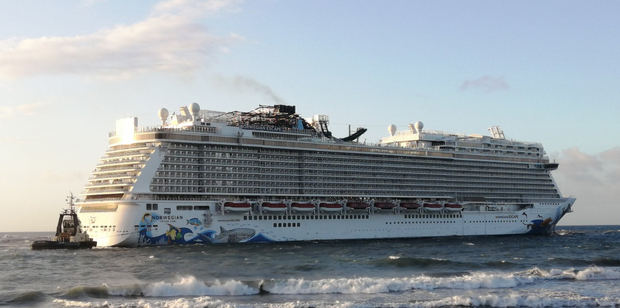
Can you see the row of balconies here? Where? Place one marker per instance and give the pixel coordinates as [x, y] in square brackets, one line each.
[295, 158]
[350, 185]
[339, 168]
[251, 172]
[344, 158]
[342, 192]
[212, 151]
[311, 182]
[369, 179]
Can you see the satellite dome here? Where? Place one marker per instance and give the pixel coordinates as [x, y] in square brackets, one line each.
[392, 129]
[418, 126]
[163, 115]
[194, 108]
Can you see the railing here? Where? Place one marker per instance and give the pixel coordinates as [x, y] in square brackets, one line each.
[152, 129]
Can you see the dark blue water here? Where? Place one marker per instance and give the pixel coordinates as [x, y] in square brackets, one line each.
[578, 266]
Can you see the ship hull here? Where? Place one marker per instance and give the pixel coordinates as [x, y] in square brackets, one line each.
[130, 225]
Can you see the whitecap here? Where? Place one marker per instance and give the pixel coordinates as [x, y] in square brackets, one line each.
[588, 273]
[511, 300]
[191, 286]
[385, 285]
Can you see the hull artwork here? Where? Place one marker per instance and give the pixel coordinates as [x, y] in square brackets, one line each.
[210, 227]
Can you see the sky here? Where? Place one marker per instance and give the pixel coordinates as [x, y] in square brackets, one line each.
[545, 71]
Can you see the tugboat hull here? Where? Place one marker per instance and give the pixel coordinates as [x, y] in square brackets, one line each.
[39, 245]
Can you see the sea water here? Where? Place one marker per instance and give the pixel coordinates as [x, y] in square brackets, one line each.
[577, 266]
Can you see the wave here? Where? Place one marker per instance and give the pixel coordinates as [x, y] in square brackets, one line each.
[206, 301]
[84, 291]
[396, 261]
[25, 298]
[202, 301]
[611, 262]
[589, 273]
[611, 231]
[520, 300]
[483, 300]
[190, 286]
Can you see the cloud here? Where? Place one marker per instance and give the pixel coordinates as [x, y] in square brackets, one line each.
[247, 84]
[595, 180]
[171, 39]
[486, 83]
[21, 110]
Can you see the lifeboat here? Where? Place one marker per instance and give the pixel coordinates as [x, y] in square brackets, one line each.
[357, 205]
[385, 205]
[330, 207]
[302, 206]
[274, 207]
[237, 206]
[410, 205]
[432, 207]
[453, 207]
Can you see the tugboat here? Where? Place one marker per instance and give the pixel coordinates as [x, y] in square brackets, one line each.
[69, 233]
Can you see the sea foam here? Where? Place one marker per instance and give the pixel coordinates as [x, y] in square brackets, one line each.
[192, 286]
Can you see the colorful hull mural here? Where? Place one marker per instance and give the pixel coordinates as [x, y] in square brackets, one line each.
[199, 234]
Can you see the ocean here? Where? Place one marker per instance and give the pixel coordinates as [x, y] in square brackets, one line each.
[578, 266]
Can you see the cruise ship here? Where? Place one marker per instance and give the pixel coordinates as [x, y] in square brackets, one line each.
[270, 175]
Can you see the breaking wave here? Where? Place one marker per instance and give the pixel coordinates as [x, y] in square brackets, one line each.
[589, 273]
[192, 286]
[519, 300]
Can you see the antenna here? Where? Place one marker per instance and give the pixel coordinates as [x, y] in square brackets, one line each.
[69, 201]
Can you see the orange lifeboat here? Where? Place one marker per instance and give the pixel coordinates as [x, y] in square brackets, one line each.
[433, 207]
[357, 205]
[453, 207]
[274, 207]
[302, 206]
[237, 206]
[410, 205]
[330, 207]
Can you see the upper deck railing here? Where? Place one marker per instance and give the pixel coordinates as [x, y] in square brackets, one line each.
[313, 137]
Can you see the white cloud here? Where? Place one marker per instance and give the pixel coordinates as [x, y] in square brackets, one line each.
[595, 180]
[486, 83]
[171, 39]
[21, 109]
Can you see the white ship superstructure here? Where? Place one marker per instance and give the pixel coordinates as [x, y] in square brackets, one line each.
[271, 175]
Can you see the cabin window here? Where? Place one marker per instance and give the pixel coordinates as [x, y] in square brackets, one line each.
[154, 206]
[184, 207]
[201, 208]
[148, 206]
[166, 210]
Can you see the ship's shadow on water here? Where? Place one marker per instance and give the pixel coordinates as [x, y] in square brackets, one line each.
[578, 266]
